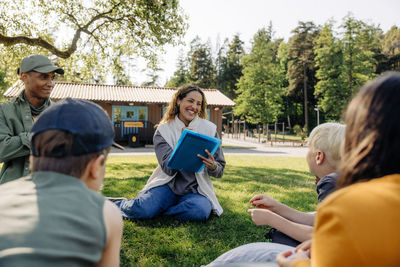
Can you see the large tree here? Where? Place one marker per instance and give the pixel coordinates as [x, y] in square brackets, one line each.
[181, 75]
[330, 88]
[345, 64]
[202, 69]
[152, 70]
[260, 88]
[301, 66]
[196, 68]
[359, 44]
[390, 58]
[86, 36]
[229, 68]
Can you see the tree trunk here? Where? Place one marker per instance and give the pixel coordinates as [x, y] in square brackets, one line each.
[233, 129]
[289, 125]
[244, 130]
[305, 98]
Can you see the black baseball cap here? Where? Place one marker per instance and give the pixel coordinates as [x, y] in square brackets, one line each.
[38, 63]
[88, 123]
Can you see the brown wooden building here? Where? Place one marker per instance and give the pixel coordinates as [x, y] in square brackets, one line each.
[133, 110]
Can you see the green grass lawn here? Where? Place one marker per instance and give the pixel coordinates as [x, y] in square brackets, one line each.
[164, 241]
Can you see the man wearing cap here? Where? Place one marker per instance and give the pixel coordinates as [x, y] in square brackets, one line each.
[54, 217]
[17, 115]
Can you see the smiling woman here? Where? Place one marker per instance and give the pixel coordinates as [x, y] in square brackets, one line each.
[189, 106]
[186, 95]
[185, 195]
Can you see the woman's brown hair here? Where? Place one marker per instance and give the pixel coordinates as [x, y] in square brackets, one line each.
[173, 108]
[372, 141]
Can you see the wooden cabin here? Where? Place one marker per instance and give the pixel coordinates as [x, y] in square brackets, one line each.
[133, 110]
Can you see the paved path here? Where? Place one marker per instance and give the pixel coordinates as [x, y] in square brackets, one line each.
[252, 147]
[233, 146]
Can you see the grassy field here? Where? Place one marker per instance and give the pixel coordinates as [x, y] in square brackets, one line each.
[164, 241]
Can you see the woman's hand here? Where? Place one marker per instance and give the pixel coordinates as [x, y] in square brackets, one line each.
[283, 259]
[208, 162]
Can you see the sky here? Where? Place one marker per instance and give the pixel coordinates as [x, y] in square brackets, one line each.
[220, 19]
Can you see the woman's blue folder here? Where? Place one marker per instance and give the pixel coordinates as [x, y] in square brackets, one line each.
[184, 156]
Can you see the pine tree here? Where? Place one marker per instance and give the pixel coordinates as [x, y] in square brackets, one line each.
[181, 75]
[202, 69]
[301, 67]
[390, 58]
[233, 68]
[358, 53]
[330, 88]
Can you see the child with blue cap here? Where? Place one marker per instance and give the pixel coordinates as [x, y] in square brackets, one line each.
[54, 216]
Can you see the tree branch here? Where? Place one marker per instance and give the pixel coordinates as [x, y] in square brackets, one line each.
[13, 40]
[99, 16]
[9, 41]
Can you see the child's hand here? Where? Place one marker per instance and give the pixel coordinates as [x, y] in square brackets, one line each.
[261, 216]
[263, 202]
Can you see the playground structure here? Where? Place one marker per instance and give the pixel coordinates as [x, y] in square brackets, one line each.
[271, 133]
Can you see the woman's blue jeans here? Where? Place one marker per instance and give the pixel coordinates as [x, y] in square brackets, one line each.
[161, 200]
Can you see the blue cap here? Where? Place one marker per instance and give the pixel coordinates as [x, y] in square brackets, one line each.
[86, 121]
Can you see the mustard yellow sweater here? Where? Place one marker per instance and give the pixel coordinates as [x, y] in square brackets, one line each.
[358, 226]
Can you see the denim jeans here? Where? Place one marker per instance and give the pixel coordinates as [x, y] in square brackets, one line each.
[161, 200]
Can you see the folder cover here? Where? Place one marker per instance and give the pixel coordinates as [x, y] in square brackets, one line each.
[184, 157]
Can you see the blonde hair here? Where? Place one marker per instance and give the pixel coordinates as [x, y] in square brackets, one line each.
[181, 93]
[328, 138]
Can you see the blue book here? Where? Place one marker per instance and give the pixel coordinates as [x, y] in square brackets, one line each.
[184, 156]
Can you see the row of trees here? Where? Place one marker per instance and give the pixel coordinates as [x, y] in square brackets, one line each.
[272, 81]
[206, 69]
[284, 81]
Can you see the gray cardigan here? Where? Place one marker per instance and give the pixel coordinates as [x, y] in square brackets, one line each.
[184, 182]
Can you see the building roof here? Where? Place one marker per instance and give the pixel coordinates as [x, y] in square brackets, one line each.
[120, 93]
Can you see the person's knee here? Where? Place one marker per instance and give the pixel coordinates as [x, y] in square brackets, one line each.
[131, 209]
[202, 214]
[199, 209]
[140, 208]
[141, 211]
